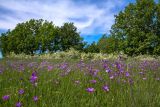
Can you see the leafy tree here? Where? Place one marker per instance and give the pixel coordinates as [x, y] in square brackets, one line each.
[157, 30]
[42, 36]
[46, 35]
[3, 43]
[69, 37]
[106, 44]
[23, 38]
[92, 48]
[135, 28]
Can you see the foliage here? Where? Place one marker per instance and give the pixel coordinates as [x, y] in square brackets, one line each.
[135, 32]
[91, 48]
[39, 36]
[73, 54]
[106, 44]
[137, 28]
[70, 54]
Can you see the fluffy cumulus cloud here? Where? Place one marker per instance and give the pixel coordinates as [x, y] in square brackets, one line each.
[90, 16]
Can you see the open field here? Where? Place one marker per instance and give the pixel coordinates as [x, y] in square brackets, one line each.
[79, 83]
[80, 53]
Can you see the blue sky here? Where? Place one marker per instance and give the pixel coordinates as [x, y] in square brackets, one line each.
[92, 17]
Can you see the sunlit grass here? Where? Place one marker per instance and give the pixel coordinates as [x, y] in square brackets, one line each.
[58, 87]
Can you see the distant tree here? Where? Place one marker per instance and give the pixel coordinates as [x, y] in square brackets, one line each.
[69, 37]
[157, 30]
[92, 48]
[106, 44]
[42, 36]
[46, 35]
[136, 29]
[22, 39]
[3, 43]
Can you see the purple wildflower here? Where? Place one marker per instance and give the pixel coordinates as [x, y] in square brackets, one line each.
[35, 98]
[50, 67]
[34, 77]
[121, 70]
[21, 91]
[63, 66]
[111, 77]
[18, 104]
[127, 74]
[105, 88]
[6, 97]
[141, 72]
[95, 72]
[21, 68]
[116, 74]
[1, 71]
[130, 81]
[93, 81]
[118, 65]
[34, 73]
[90, 90]
[108, 70]
[105, 66]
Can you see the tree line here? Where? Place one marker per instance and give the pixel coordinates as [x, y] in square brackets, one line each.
[39, 36]
[136, 31]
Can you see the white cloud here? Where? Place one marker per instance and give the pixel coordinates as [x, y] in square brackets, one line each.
[97, 20]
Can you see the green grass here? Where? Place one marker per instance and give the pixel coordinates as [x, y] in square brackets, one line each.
[55, 90]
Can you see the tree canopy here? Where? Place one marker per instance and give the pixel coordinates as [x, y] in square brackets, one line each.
[39, 35]
[136, 31]
[137, 28]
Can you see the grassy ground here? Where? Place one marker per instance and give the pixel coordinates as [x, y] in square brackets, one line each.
[62, 83]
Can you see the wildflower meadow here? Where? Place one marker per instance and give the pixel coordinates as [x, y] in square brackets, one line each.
[79, 53]
[79, 83]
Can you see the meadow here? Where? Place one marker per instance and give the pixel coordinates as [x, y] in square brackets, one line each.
[107, 54]
[79, 83]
